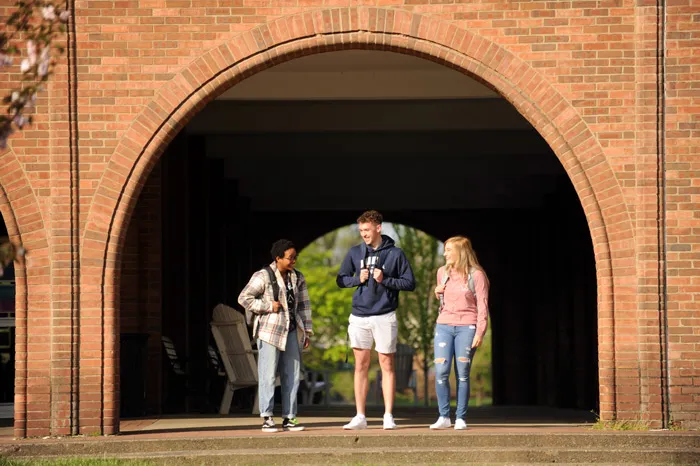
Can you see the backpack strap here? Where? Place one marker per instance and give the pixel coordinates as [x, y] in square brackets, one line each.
[470, 281]
[445, 278]
[273, 282]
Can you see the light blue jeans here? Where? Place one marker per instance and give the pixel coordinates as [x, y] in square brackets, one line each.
[453, 342]
[272, 361]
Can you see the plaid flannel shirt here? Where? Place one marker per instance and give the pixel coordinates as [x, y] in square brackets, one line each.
[271, 327]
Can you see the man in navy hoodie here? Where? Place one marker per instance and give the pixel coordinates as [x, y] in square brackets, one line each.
[379, 270]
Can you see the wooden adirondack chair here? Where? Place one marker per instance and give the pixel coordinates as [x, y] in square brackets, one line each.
[179, 382]
[231, 335]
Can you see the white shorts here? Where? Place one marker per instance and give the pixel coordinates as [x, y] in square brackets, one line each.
[383, 330]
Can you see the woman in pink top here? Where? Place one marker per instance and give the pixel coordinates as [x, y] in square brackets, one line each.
[463, 291]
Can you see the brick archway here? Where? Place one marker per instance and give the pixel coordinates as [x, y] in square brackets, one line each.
[350, 28]
[22, 216]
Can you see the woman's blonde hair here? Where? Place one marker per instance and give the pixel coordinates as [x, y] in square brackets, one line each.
[467, 257]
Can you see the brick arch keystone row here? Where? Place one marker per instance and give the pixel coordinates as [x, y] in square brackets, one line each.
[334, 29]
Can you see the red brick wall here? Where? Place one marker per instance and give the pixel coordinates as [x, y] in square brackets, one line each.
[583, 73]
[683, 207]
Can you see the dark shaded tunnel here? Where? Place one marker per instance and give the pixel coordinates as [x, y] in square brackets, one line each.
[245, 173]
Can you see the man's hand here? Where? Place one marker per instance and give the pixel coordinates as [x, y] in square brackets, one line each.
[364, 275]
[275, 306]
[476, 342]
[307, 342]
[440, 289]
[378, 274]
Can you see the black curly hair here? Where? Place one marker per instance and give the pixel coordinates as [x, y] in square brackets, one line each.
[279, 246]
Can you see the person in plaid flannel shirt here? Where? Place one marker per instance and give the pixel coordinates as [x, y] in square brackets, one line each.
[282, 329]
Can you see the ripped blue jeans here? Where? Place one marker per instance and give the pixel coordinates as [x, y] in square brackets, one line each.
[453, 342]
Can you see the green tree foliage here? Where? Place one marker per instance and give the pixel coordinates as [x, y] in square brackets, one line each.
[419, 309]
[331, 305]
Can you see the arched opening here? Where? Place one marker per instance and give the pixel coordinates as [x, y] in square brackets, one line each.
[7, 330]
[320, 262]
[440, 152]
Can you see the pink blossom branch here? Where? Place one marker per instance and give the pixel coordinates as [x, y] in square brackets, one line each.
[38, 22]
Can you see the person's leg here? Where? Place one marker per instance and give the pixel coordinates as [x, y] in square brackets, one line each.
[386, 362]
[463, 361]
[444, 349]
[360, 333]
[385, 331]
[290, 369]
[268, 357]
[362, 360]
[361, 386]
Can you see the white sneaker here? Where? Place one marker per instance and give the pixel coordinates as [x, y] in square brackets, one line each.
[269, 425]
[443, 423]
[389, 423]
[460, 424]
[357, 423]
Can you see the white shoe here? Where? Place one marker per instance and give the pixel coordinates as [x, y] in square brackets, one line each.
[442, 423]
[356, 423]
[389, 423]
[460, 424]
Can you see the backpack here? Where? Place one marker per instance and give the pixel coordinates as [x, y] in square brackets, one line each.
[250, 316]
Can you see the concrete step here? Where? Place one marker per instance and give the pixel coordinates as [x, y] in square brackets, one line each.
[364, 439]
[402, 455]
[381, 448]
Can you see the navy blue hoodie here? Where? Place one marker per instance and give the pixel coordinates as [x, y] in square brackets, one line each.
[372, 298]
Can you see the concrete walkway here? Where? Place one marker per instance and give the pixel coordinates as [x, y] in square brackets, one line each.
[329, 421]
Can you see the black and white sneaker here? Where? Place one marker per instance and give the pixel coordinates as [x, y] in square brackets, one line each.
[292, 425]
[269, 425]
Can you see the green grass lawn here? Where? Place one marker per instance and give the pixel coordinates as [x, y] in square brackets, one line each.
[74, 462]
